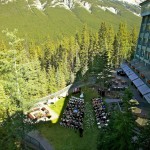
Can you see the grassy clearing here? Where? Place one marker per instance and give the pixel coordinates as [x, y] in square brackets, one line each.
[58, 106]
[67, 139]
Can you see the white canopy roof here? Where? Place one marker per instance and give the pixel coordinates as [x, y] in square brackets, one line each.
[129, 72]
[133, 76]
[126, 68]
[138, 82]
[144, 89]
[147, 97]
[123, 65]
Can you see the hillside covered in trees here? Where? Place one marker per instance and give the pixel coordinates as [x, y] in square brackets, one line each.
[38, 19]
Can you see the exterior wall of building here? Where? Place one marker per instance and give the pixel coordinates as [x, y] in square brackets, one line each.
[143, 46]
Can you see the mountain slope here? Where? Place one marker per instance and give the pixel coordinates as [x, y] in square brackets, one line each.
[55, 18]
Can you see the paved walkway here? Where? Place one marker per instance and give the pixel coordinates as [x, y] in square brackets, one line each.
[44, 142]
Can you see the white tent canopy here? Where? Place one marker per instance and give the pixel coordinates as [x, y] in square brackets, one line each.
[144, 89]
[141, 121]
[133, 101]
[133, 76]
[123, 65]
[136, 110]
[125, 69]
[147, 97]
[129, 72]
[138, 82]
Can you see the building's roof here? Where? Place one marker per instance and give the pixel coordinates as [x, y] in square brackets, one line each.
[144, 89]
[147, 97]
[142, 68]
[133, 77]
[138, 82]
[146, 1]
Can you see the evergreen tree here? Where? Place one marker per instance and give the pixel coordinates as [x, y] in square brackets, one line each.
[49, 51]
[144, 137]
[60, 79]
[110, 39]
[116, 54]
[52, 83]
[84, 50]
[103, 41]
[3, 104]
[123, 42]
[10, 74]
[43, 83]
[133, 42]
[120, 128]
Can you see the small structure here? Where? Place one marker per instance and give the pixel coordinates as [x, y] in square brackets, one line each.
[53, 100]
[81, 96]
[136, 110]
[134, 102]
[39, 113]
[76, 90]
[141, 121]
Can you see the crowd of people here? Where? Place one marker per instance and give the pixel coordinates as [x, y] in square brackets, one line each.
[74, 113]
[100, 112]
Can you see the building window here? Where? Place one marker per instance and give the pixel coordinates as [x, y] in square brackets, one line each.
[143, 27]
[149, 19]
[142, 53]
[140, 40]
[138, 51]
[148, 45]
[144, 19]
[148, 28]
[145, 41]
[147, 56]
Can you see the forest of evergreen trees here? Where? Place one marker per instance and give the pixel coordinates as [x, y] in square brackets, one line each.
[41, 69]
[29, 70]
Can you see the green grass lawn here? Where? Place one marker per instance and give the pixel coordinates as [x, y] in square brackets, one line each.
[67, 139]
[57, 107]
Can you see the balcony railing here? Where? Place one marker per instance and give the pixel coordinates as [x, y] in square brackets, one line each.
[144, 44]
